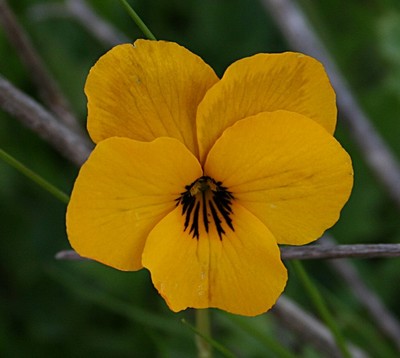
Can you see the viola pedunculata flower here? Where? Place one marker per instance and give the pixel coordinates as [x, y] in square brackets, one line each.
[198, 179]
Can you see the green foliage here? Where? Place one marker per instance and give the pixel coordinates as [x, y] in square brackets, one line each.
[50, 308]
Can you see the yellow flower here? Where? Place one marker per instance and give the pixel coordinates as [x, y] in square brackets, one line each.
[199, 179]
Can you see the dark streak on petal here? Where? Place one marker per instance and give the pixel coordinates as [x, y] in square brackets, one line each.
[215, 201]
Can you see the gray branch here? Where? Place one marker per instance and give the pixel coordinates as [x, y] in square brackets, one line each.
[70, 144]
[385, 321]
[97, 26]
[70, 255]
[311, 330]
[81, 12]
[44, 82]
[299, 34]
[340, 251]
[313, 252]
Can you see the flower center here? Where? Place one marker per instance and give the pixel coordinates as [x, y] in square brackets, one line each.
[206, 201]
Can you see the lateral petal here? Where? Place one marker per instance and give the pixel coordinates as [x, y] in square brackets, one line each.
[147, 90]
[286, 170]
[240, 273]
[123, 190]
[266, 83]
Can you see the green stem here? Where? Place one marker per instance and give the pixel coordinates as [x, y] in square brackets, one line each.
[142, 26]
[57, 193]
[225, 352]
[321, 307]
[203, 327]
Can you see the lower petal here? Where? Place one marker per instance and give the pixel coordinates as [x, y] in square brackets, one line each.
[240, 273]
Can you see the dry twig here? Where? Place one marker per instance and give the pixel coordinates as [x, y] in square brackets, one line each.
[309, 328]
[70, 144]
[44, 82]
[309, 252]
[340, 251]
[385, 321]
[81, 12]
[97, 26]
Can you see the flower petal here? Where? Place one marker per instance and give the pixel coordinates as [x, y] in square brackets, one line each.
[147, 90]
[266, 83]
[123, 190]
[241, 273]
[286, 170]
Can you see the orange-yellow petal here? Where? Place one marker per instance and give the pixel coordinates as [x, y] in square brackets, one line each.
[286, 170]
[147, 90]
[240, 273]
[266, 83]
[123, 190]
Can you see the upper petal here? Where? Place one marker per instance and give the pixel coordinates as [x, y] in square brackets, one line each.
[121, 192]
[241, 273]
[285, 169]
[147, 90]
[266, 83]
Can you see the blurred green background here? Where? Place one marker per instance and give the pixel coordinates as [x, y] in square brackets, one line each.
[74, 309]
